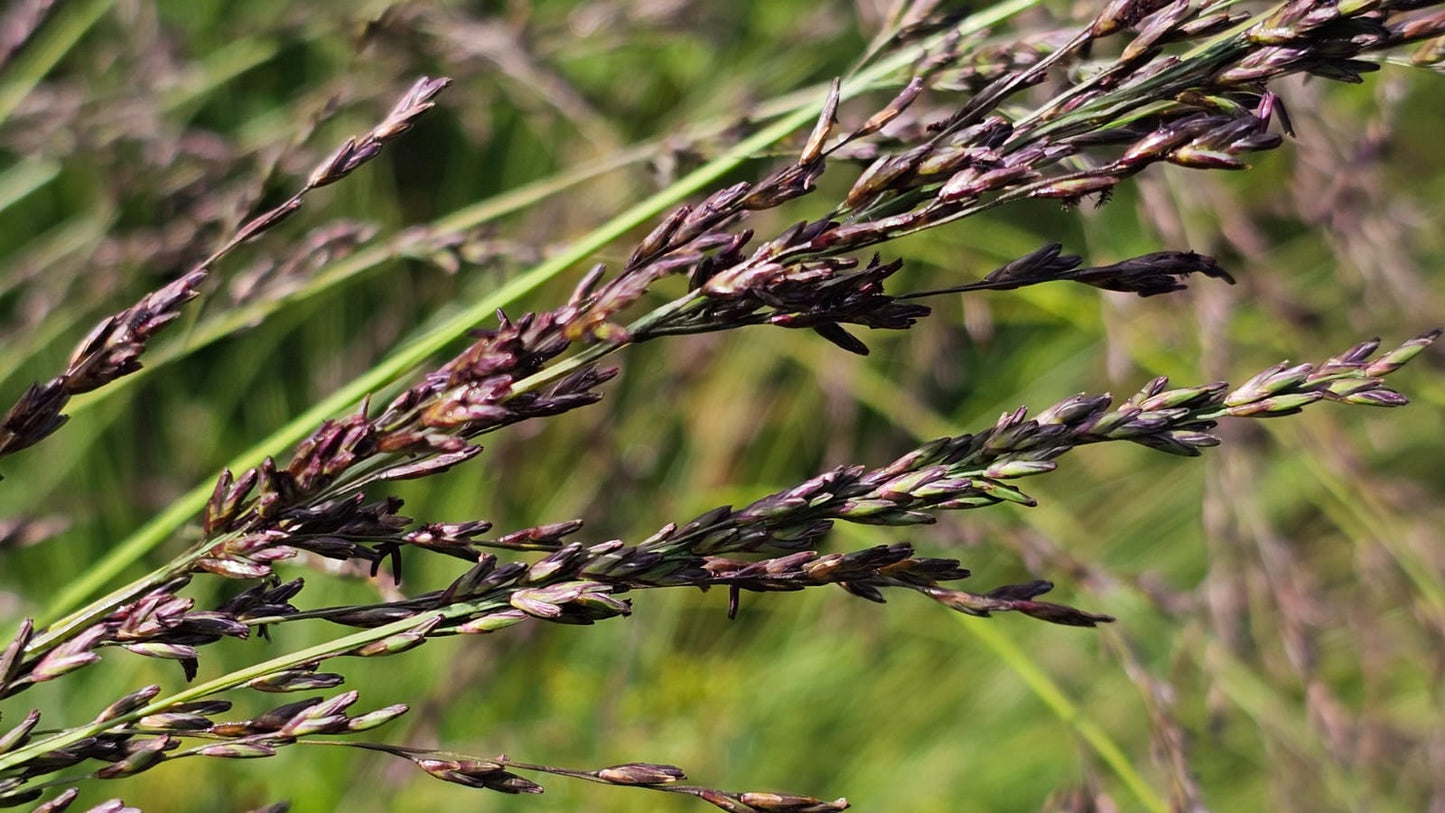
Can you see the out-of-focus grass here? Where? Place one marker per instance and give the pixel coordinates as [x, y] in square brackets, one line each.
[1287, 589]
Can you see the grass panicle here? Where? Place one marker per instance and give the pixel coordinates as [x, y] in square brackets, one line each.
[959, 125]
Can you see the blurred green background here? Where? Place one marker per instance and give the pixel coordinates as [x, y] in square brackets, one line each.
[1281, 602]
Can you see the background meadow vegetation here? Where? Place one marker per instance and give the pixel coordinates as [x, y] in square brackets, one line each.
[1280, 603]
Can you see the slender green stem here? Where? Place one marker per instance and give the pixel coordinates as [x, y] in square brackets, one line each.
[98, 609]
[1044, 687]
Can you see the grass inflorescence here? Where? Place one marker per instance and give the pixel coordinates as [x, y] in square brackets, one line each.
[939, 123]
